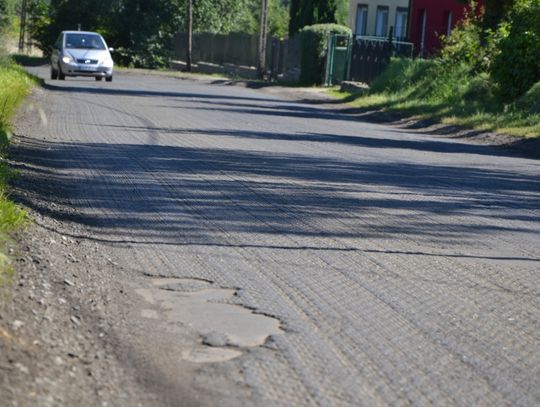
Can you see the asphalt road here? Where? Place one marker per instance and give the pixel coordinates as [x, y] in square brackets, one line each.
[401, 268]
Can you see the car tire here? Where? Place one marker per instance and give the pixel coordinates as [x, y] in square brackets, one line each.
[98, 78]
[54, 74]
[109, 78]
[61, 76]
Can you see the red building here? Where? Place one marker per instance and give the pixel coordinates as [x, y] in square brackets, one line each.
[429, 19]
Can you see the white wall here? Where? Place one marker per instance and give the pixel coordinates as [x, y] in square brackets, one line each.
[372, 12]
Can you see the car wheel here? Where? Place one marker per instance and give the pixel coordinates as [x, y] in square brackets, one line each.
[54, 73]
[109, 78]
[61, 76]
[98, 78]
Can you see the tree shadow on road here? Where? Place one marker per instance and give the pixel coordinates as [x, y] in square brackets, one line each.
[185, 194]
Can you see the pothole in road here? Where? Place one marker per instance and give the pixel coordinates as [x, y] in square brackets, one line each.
[225, 328]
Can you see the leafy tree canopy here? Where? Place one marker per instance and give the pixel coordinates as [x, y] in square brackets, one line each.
[142, 30]
[309, 12]
[8, 10]
[496, 11]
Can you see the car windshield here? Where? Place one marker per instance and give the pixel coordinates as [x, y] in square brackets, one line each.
[84, 41]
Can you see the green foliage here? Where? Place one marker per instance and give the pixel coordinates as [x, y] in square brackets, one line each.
[481, 89]
[41, 28]
[454, 95]
[402, 74]
[141, 30]
[342, 12]
[150, 53]
[530, 101]
[4, 17]
[496, 11]
[478, 72]
[314, 40]
[219, 16]
[47, 21]
[465, 45]
[278, 18]
[247, 15]
[517, 67]
[8, 17]
[435, 86]
[311, 12]
[14, 86]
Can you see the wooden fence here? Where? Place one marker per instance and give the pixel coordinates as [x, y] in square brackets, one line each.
[282, 58]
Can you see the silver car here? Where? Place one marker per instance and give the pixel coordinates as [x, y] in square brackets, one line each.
[81, 53]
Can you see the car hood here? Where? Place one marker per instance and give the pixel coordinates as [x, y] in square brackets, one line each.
[99, 54]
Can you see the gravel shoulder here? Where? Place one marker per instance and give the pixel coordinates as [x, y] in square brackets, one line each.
[56, 347]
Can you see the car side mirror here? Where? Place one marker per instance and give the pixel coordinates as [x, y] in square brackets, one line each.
[111, 49]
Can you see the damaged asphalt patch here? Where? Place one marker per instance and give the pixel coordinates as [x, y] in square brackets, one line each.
[219, 324]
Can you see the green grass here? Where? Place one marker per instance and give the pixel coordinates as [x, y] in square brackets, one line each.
[15, 85]
[427, 89]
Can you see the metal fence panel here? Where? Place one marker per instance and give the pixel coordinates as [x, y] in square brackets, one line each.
[370, 56]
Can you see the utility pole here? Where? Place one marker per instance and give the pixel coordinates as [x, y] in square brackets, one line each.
[263, 34]
[189, 49]
[22, 31]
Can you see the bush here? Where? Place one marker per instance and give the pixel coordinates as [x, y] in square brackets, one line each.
[14, 86]
[401, 74]
[517, 67]
[469, 43]
[530, 101]
[480, 88]
[314, 44]
[434, 84]
[151, 54]
[428, 79]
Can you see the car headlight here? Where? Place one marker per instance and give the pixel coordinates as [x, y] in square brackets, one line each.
[107, 62]
[66, 59]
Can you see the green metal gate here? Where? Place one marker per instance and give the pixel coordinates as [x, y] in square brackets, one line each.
[337, 59]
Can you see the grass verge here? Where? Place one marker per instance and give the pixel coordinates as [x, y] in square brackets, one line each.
[15, 85]
[426, 89]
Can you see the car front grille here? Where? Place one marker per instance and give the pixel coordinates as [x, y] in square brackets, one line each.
[87, 61]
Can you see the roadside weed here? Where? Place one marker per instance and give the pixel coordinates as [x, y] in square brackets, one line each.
[15, 85]
[429, 89]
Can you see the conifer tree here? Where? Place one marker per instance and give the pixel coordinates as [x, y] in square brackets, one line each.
[309, 12]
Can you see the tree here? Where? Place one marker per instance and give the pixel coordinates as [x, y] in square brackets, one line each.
[142, 31]
[516, 67]
[8, 12]
[496, 11]
[248, 18]
[263, 36]
[278, 18]
[342, 12]
[4, 17]
[189, 47]
[309, 12]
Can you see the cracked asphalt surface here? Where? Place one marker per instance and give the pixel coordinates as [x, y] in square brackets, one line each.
[403, 268]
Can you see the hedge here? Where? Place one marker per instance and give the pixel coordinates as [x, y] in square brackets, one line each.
[314, 43]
